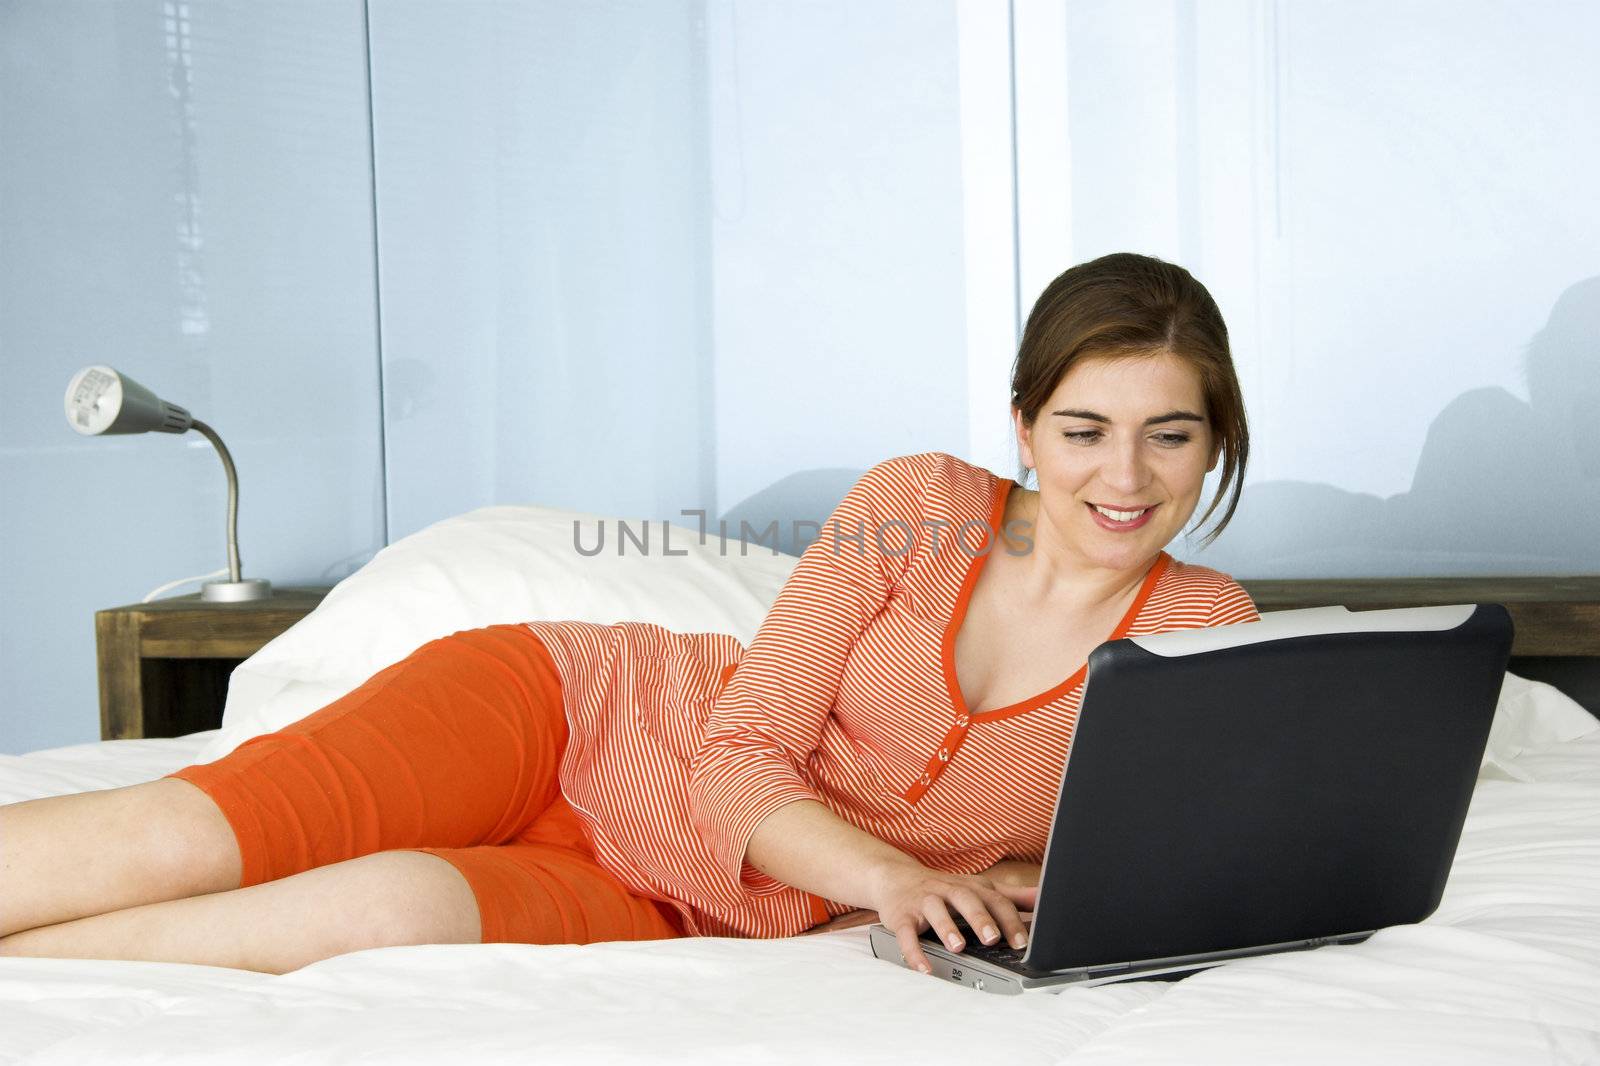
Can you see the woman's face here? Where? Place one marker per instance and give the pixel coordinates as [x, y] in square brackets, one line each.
[1121, 449]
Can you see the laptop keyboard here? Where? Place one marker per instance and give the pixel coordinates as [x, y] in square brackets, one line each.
[999, 952]
[1010, 958]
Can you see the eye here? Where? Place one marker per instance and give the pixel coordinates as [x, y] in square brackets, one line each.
[1171, 440]
[1082, 436]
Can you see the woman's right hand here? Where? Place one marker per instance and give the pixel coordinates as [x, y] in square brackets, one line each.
[910, 897]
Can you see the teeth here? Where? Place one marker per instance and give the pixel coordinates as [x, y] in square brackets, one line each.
[1120, 516]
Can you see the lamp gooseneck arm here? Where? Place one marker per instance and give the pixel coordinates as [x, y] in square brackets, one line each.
[233, 495]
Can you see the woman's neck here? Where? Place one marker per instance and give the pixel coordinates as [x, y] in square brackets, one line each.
[1052, 571]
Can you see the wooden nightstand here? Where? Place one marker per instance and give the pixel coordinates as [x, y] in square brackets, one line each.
[164, 665]
[1554, 617]
[1557, 619]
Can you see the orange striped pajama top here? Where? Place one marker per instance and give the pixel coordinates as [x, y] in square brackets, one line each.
[680, 744]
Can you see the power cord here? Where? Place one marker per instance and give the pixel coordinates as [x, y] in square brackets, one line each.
[184, 581]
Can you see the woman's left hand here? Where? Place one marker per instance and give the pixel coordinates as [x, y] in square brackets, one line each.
[1014, 872]
[847, 920]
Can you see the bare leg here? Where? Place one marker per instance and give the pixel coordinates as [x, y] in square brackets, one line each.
[378, 900]
[67, 857]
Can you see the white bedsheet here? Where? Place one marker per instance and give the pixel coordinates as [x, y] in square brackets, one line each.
[1507, 971]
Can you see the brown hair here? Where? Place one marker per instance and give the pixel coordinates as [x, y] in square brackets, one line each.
[1125, 304]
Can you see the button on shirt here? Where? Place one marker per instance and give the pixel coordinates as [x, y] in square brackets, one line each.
[681, 744]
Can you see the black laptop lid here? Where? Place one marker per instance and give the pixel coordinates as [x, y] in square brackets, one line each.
[1296, 785]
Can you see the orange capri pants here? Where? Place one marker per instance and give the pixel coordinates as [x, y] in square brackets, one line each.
[453, 751]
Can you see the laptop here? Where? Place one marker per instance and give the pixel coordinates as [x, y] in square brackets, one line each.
[1265, 787]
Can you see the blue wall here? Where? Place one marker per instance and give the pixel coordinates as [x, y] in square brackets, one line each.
[187, 198]
[636, 257]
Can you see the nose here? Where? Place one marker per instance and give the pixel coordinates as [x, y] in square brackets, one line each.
[1126, 470]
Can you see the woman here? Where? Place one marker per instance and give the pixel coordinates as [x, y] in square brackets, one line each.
[888, 746]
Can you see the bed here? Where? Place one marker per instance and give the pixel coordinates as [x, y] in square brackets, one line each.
[1506, 971]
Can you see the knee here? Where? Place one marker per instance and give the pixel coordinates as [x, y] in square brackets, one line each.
[183, 831]
[411, 897]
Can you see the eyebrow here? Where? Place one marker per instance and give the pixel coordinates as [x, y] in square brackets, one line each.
[1170, 416]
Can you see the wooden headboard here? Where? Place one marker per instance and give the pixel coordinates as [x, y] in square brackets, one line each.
[1557, 619]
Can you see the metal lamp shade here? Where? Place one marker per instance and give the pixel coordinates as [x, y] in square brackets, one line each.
[100, 400]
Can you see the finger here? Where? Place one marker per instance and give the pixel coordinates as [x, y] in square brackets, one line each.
[993, 914]
[1024, 898]
[976, 909]
[938, 915]
[1016, 929]
[909, 937]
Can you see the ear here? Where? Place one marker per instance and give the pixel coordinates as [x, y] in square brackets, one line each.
[1216, 454]
[1024, 438]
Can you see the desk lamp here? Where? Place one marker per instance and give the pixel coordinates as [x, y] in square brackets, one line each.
[100, 400]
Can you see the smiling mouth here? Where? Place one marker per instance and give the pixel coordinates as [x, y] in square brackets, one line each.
[1124, 516]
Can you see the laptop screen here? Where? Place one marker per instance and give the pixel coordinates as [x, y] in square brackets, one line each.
[1265, 783]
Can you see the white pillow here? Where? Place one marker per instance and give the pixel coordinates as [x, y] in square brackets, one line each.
[494, 565]
[1530, 714]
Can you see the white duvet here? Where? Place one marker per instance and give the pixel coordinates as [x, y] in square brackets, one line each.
[1507, 971]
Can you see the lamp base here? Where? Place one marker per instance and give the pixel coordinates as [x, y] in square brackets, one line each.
[251, 588]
